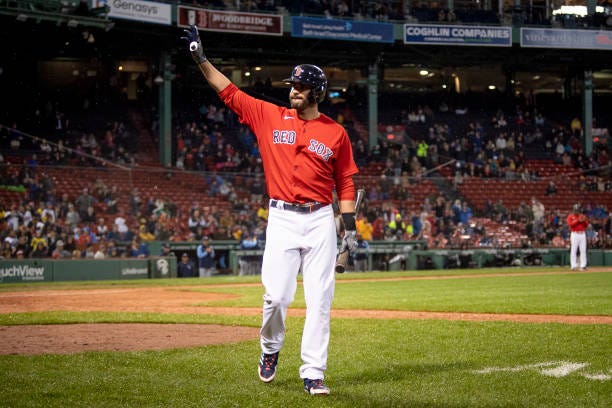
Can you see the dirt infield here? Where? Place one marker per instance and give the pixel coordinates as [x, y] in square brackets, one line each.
[37, 339]
[76, 338]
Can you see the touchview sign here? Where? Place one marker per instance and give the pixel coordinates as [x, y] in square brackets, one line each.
[22, 273]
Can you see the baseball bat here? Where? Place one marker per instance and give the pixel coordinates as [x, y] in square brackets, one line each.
[342, 259]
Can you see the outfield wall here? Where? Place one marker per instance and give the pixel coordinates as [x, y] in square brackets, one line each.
[48, 270]
[393, 257]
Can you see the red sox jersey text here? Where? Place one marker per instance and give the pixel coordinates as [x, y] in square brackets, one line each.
[289, 146]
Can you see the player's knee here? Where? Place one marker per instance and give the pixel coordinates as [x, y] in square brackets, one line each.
[275, 301]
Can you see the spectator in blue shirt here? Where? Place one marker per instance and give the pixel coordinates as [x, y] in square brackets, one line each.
[465, 214]
[139, 249]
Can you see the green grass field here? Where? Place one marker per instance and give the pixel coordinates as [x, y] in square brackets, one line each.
[372, 362]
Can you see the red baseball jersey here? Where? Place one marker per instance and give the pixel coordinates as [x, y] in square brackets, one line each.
[289, 146]
[573, 221]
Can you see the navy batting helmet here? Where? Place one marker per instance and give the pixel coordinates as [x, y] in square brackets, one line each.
[312, 76]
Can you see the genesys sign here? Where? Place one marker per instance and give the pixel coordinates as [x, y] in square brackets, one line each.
[230, 21]
[24, 273]
[138, 10]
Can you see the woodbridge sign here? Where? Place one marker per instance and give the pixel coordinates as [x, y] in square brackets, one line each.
[230, 21]
[24, 273]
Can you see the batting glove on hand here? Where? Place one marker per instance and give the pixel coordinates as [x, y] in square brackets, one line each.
[349, 242]
[195, 45]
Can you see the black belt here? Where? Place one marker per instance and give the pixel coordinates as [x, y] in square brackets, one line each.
[298, 208]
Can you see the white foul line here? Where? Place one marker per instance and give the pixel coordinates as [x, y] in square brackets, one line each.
[555, 369]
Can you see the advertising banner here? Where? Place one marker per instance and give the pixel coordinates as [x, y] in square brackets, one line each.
[558, 38]
[138, 10]
[427, 34]
[134, 269]
[230, 21]
[336, 29]
[25, 271]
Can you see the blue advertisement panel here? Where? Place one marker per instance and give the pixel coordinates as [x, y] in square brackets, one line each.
[335, 29]
[558, 38]
[427, 34]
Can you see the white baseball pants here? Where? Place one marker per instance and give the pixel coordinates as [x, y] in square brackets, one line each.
[295, 242]
[578, 243]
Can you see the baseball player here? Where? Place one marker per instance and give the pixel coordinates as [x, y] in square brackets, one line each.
[577, 222]
[305, 155]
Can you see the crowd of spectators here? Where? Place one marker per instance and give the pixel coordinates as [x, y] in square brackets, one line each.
[67, 144]
[384, 10]
[489, 147]
[496, 150]
[379, 10]
[86, 226]
[447, 224]
[103, 221]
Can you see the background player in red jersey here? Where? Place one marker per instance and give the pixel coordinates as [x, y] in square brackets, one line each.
[577, 222]
[305, 155]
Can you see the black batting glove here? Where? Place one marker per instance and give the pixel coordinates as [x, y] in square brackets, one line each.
[195, 45]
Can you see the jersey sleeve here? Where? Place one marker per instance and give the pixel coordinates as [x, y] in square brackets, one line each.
[250, 110]
[571, 220]
[345, 165]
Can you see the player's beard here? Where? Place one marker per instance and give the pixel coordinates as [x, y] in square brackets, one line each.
[299, 104]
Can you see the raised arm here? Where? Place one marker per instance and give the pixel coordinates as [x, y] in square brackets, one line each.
[215, 78]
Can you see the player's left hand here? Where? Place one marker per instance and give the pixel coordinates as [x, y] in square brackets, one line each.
[582, 218]
[195, 45]
[349, 242]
